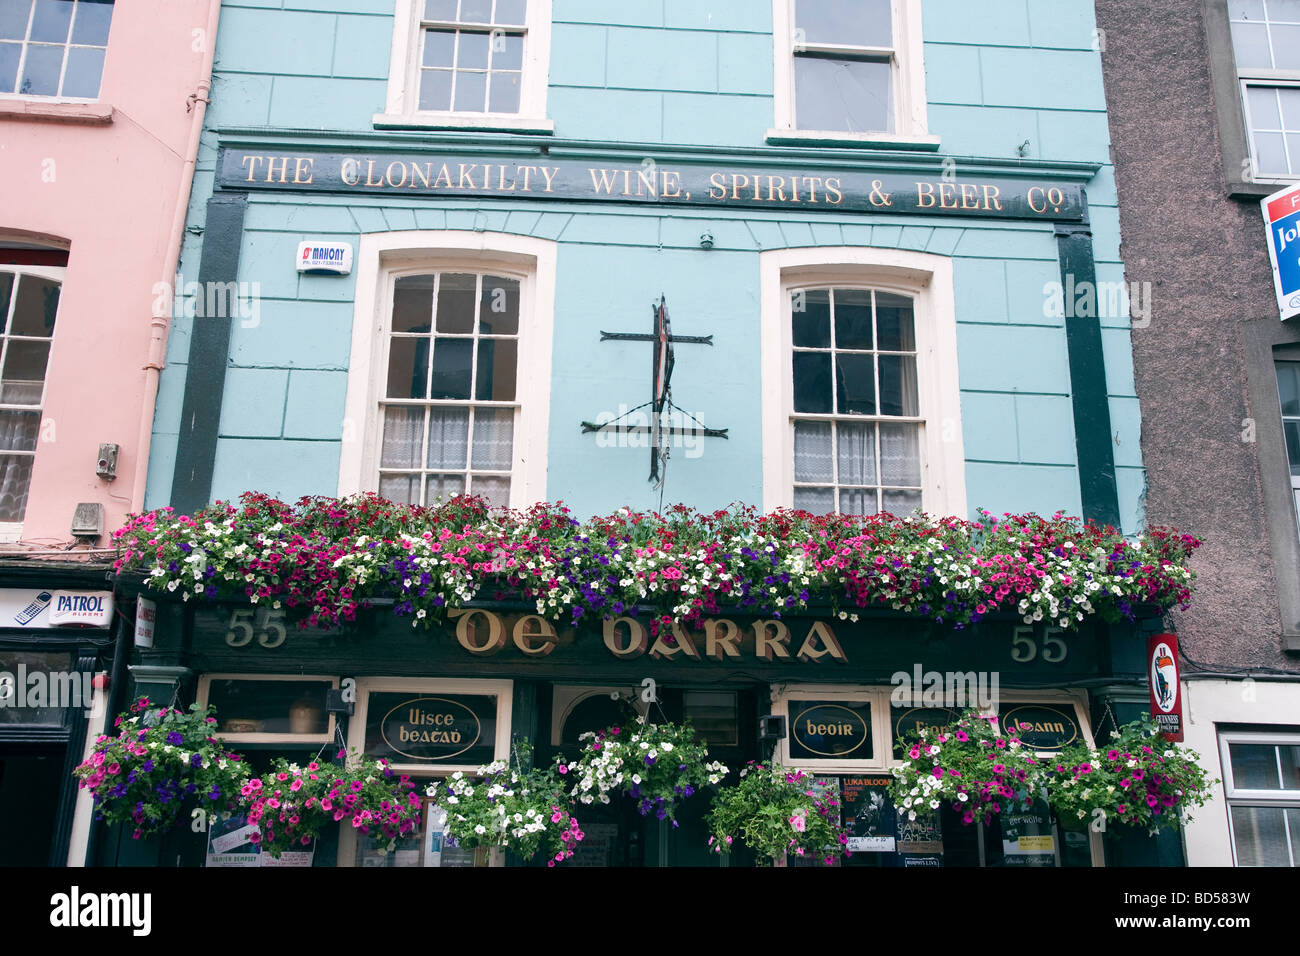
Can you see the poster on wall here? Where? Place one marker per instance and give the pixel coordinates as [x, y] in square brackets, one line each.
[1028, 837]
[869, 817]
[920, 842]
[230, 844]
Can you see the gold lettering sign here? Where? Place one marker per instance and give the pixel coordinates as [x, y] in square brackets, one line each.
[430, 728]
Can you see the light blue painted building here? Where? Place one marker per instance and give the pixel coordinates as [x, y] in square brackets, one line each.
[331, 122]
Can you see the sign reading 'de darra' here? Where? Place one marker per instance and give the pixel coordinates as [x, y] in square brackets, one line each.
[782, 187]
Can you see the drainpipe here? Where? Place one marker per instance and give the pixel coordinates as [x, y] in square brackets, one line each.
[160, 321]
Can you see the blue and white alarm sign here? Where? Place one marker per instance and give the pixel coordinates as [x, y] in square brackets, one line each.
[1282, 214]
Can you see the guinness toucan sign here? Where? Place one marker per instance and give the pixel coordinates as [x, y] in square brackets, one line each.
[1166, 689]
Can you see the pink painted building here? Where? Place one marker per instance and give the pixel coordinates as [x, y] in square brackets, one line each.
[101, 107]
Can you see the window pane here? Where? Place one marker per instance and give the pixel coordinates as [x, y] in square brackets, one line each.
[471, 92]
[448, 437]
[82, 75]
[900, 454]
[1260, 836]
[18, 430]
[1254, 766]
[24, 372]
[435, 89]
[451, 368]
[36, 308]
[15, 475]
[1284, 10]
[1270, 153]
[818, 501]
[844, 95]
[1290, 98]
[1290, 757]
[853, 319]
[811, 311]
[10, 53]
[858, 501]
[443, 487]
[895, 325]
[91, 25]
[1292, 430]
[857, 454]
[510, 12]
[854, 22]
[7, 285]
[494, 434]
[507, 51]
[443, 11]
[403, 438]
[504, 93]
[1288, 384]
[41, 72]
[498, 360]
[473, 51]
[812, 452]
[408, 368]
[476, 11]
[439, 48]
[902, 503]
[1286, 46]
[50, 25]
[1246, 9]
[456, 304]
[812, 382]
[413, 304]
[404, 489]
[495, 488]
[499, 312]
[898, 385]
[13, 19]
[855, 385]
[1250, 46]
[1263, 107]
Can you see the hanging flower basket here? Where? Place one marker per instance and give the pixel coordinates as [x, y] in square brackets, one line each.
[971, 766]
[777, 813]
[160, 758]
[291, 805]
[657, 765]
[1135, 779]
[503, 806]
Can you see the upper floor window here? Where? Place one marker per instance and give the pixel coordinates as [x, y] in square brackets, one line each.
[29, 302]
[53, 47]
[1261, 780]
[1266, 48]
[1288, 387]
[860, 404]
[450, 373]
[479, 63]
[849, 70]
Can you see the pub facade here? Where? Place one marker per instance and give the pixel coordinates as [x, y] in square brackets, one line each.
[855, 266]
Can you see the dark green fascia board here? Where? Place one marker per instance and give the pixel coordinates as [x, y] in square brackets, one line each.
[886, 160]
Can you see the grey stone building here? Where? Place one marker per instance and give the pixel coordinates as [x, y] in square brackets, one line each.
[1204, 107]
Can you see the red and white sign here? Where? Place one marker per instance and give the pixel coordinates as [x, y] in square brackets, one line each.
[1166, 688]
[1282, 216]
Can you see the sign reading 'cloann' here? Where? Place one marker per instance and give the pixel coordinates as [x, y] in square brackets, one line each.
[456, 729]
[1040, 726]
[769, 187]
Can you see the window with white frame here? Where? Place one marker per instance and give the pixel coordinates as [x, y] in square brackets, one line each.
[462, 63]
[1266, 48]
[860, 348]
[1261, 778]
[849, 69]
[450, 372]
[29, 303]
[53, 48]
